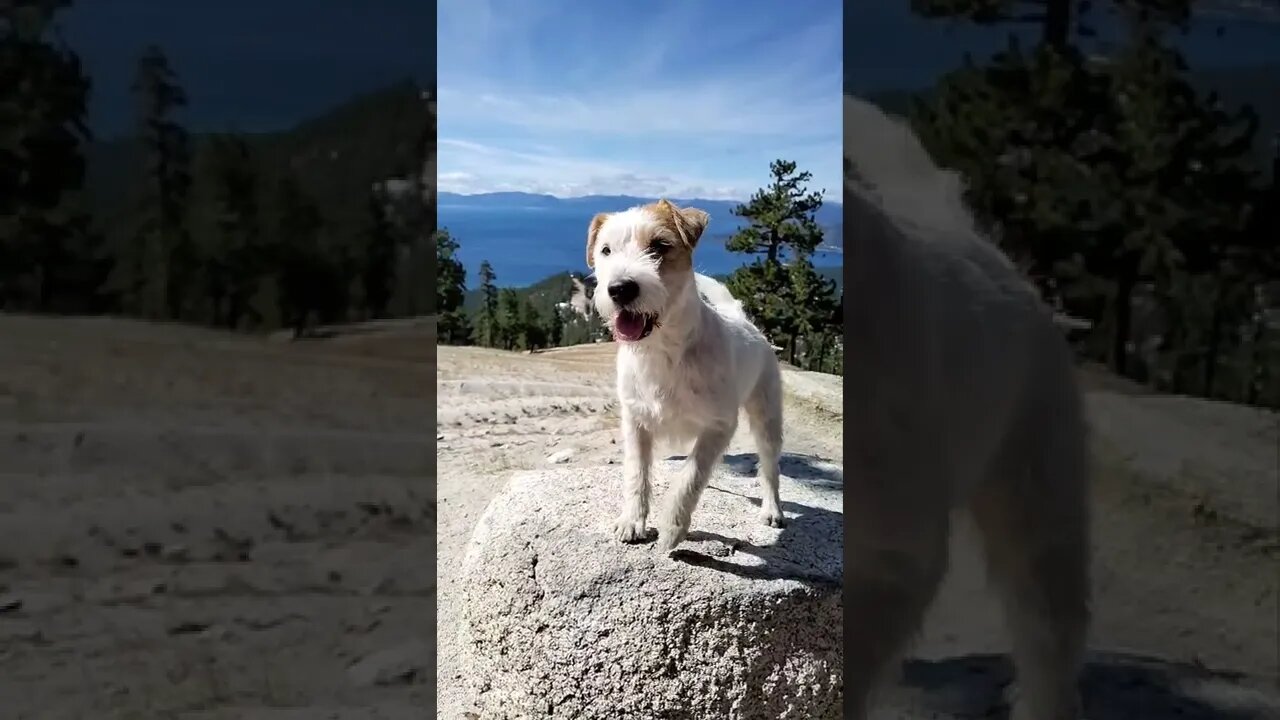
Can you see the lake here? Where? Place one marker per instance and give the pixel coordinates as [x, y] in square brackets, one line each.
[526, 244]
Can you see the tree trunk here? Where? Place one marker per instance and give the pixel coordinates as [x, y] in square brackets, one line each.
[1214, 345]
[45, 292]
[1126, 280]
[1057, 23]
[1258, 371]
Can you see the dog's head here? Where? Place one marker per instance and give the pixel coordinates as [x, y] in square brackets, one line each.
[642, 257]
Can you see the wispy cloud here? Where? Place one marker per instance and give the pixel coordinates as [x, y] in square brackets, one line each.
[667, 98]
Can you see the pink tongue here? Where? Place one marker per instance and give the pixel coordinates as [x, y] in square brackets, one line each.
[628, 326]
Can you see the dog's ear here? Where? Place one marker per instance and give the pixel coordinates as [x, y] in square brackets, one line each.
[688, 222]
[695, 222]
[593, 231]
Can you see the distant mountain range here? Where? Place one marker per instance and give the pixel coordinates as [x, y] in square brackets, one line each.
[830, 216]
[337, 157]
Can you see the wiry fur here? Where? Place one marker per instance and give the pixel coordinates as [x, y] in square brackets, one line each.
[687, 380]
[964, 396]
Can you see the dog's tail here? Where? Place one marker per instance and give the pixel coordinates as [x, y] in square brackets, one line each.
[887, 166]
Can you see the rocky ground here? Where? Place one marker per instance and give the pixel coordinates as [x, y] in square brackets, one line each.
[1186, 585]
[199, 525]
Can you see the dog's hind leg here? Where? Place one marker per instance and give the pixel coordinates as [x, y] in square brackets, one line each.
[690, 481]
[896, 558]
[1033, 517]
[764, 416]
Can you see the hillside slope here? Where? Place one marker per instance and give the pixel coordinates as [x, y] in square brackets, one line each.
[337, 157]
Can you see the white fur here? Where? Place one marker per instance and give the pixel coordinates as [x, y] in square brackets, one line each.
[963, 395]
[685, 382]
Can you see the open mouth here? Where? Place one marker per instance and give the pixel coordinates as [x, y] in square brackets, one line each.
[629, 326]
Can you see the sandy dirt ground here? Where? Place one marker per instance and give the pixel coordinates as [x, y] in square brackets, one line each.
[1185, 558]
[199, 525]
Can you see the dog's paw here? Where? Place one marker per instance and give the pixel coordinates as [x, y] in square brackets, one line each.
[773, 517]
[630, 530]
[669, 537]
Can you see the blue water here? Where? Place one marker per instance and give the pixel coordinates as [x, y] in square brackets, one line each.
[526, 244]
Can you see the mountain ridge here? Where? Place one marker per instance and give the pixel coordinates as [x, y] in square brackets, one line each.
[831, 211]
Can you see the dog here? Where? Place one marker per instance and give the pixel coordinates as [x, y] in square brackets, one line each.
[963, 396]
[688, 360]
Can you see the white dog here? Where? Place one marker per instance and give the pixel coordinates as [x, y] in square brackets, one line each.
[963, 395]
[688, 360]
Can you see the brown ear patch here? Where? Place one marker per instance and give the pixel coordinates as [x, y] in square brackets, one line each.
[687, 223]
[593, 232]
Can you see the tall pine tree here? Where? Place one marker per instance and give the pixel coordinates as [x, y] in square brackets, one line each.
[48, 253]
[233, 262]
[381, 253]
[162, 259]
[303, 274]
[781, 225]
[451, 288]
[488, 332]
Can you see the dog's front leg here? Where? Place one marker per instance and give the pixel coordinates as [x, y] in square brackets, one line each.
[682, 498]
[637, 461]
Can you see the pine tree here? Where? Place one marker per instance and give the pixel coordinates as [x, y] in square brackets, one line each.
[489, 326]
[413, 270]
[555, 327]
[1104, 171]
[780, 222]
[380, 249]
[1178, 193]
[451, 288]
[780, 216]
[813, 303]
[302, 271]
[509, 318]
[234, 263]
[48, 253]
[162, 256]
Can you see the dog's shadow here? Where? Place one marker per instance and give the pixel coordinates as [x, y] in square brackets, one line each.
[807, 469]
[1113, 686]
[808, 548]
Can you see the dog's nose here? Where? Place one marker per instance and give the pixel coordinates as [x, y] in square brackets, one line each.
[623, 291]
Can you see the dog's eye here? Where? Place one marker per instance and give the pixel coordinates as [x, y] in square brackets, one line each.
[605, 251]
[659, 247]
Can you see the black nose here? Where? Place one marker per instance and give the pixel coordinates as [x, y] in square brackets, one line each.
[623, 291]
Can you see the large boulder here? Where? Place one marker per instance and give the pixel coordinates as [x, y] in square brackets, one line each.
[741, 621]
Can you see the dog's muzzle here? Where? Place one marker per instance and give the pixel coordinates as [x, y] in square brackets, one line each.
[629, 326]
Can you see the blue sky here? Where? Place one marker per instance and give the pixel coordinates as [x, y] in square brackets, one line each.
[683, 98]
[249, 65]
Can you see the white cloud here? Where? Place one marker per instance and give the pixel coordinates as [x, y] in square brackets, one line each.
[695, 110]
[684, 98]
[476, 168]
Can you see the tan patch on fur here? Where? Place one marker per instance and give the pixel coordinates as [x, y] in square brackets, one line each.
[593, 232]
[685, 225]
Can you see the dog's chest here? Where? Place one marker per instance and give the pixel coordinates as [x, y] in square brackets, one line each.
[672, 401]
